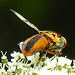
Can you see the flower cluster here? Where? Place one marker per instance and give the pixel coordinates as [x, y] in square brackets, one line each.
[20, 66]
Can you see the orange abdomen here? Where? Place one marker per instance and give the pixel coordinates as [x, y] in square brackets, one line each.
[34, 44]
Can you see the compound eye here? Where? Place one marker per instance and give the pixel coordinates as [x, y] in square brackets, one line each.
[60, 43]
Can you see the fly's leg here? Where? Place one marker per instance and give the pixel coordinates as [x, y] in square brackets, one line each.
[57, 53]
[41, 55]
[51, 52]
[25, 59]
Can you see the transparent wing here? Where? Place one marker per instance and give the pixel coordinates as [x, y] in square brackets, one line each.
[25, 20]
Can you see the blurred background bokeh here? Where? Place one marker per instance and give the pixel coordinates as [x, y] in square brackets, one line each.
[55, 15]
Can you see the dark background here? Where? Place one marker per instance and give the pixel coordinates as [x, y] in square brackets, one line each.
[55, 15]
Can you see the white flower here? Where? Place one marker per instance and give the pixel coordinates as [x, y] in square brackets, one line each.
[29, 57]
[44, 71]
[13, 60]
[17, 55]
[2, 72]
[10, 64]
[35, 58]
[51, 64]
[13, 68]
[57, 72]
[62, 61]
[0, 65]
[21, 66]
[14, 54]
[9, 72]
[47, 66]
[73, 63]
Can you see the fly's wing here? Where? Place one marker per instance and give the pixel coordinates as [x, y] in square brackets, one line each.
[25, 20]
